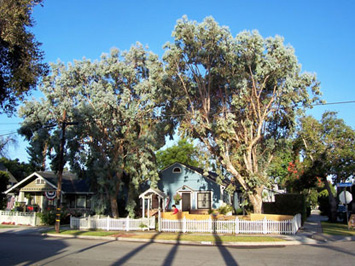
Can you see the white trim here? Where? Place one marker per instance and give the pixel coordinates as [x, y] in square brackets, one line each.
[177, 170]
[26, 179]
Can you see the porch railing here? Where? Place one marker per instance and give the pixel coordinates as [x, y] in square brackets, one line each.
[236, 226]
[108, 223]
[19, 218]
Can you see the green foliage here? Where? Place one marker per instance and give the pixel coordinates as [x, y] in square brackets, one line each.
[48, 217]
[239, 96]
[184, 152]
[4, 179]
[116, 104]
[328, 148]
[177, 197]
[225, 209]
[20, 57]
[18, 169]
[287, 204]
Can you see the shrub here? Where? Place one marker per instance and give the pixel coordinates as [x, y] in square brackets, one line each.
[48, 216]
[287, 204]
[225, 209]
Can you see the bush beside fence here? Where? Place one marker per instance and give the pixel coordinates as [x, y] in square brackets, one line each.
[235, 226]
[108, 223]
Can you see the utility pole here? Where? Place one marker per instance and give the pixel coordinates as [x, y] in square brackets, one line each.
[60, 173]
[60, 170]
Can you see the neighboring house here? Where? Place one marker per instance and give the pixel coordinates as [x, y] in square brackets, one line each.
[198, 192]
[269, 193]
[39, 189]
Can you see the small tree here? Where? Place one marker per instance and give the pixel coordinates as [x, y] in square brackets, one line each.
[328, 150]
[183, 152]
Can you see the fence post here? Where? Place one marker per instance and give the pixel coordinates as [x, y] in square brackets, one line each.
[184, 225]
[264, 226]
[210, 225]
[108, 223]
[71, 222]
[159, 221]
[89, 222]
[236, 225]
[35, 219]
[127, 223]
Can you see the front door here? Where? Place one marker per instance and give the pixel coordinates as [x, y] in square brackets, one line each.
[186, 202]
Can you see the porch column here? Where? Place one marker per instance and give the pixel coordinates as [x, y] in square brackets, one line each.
[143, 211]
[148, 207]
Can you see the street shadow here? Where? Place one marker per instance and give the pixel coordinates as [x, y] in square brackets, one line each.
[129, 255]
[333, 248]
[226, 255]
[172, 254]
[81, 250]
[28, 249]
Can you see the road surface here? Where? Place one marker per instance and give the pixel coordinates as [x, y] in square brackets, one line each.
[38, 250]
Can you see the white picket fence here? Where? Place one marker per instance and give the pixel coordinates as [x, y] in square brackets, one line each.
[108, 223]
[19, 218]
[236, 226]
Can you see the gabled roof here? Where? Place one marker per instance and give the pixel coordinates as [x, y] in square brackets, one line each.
[70, 183]
[211, 175]
[153, 191]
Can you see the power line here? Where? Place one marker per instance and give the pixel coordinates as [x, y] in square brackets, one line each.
[332, 103]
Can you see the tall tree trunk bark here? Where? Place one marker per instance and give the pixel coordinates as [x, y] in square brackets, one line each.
[114, 207]
[257, 201]
[332, 202]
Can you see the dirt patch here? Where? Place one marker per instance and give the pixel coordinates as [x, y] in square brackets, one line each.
[124, 235]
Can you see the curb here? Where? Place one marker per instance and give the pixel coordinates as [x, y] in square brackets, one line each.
[192, 243]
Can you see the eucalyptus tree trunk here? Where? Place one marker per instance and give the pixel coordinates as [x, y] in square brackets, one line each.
[332, 203]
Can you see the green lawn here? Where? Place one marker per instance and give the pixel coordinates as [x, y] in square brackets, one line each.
[337, 229]
[172, 236]
[7, 226]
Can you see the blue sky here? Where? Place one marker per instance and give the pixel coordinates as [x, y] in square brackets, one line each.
[322, 33]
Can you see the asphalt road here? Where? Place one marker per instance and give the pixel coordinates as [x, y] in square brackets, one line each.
[38, 250]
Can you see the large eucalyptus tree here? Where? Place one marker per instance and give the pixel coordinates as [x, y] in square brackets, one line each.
[119, 126]
[239, 96]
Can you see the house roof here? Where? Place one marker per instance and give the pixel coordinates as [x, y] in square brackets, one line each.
[70, 183]
[211, 175]
[153, 191]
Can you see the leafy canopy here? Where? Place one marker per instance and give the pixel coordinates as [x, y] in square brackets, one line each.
[20, 56]
[239, 96]
[119, 124]
[183, 152]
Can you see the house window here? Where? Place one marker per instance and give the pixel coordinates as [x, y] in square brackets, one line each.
[81, 202]
[177, 170]
[204, 200]
[39, 181]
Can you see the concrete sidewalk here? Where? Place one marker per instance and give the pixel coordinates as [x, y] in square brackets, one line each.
[312, 229]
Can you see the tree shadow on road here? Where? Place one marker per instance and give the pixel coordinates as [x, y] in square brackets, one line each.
[227, 256]
[170, 258]
[135, 251]
[28, 250]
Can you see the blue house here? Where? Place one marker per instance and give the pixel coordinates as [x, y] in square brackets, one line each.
[197, 192]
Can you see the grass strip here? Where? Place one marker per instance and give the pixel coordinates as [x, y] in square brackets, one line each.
[337, 229]
[172, 236]
[8, 226]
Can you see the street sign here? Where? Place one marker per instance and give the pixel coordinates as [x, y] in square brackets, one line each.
[345, 197]
[348, 184]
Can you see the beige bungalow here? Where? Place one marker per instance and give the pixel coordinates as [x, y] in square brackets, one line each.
[37, 192]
